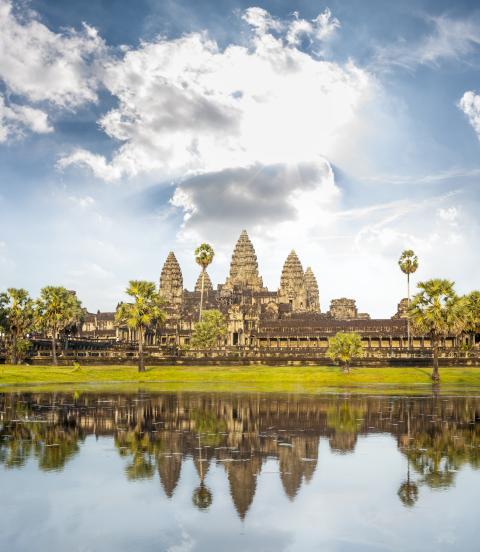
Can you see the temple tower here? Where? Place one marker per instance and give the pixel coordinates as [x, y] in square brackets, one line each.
[207, 283]
[171, 281]
[292, 284]
[313, 298]
[244, 267]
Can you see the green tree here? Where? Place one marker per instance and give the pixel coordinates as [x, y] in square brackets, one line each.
[3, 316]
[344, 347]
[208, 332]
[17, 321]
[203, 256]
[56, 309]
[437, 311]
[408, 264]
[144, 313]
[472, 302]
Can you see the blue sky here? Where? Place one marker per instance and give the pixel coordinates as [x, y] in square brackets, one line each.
[348, 130]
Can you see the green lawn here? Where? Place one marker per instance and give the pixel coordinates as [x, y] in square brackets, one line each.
[278, 378]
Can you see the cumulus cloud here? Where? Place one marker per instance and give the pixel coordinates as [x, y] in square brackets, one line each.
[16, 119]
[187, 106]
[470, 105]
[255, 196]
[41, 65]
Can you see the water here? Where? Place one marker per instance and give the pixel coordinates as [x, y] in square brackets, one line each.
[238, 472]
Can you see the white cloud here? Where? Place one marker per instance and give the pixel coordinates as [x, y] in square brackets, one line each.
[41, 65]
[16, 119]
[450, 39]
[449, 215]
[82, 201]
[470, 105]
[185, 106]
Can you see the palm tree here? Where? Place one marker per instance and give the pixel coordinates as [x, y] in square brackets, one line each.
[144, 313]
[56, 309]
[473, 314]
[408, 264]
[437, 311]
[18, 321]
[203, 256]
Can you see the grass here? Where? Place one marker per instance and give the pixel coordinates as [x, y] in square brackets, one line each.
[261, 378]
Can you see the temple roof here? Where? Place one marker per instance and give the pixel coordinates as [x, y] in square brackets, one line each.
[171, 280]
[244, 266]
[207, 284]
[313, 297]
[292, 278]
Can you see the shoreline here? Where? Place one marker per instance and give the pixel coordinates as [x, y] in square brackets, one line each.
[240, 378]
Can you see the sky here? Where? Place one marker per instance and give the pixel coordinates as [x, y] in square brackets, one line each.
[347, 130]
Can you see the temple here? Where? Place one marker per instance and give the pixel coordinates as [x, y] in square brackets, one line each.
[273, 325]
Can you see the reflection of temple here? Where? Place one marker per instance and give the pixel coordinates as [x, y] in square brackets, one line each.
[239, 433]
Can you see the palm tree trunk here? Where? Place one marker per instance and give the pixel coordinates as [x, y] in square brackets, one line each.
[201, 295]
[54, 347]
[141, 360]
[14, 348]
[408, 317]
[435, 372]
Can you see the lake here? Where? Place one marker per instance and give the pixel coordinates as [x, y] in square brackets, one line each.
[206, 471]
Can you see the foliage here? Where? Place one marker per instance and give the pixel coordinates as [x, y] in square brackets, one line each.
[208, 332]
[472, 306]
[144, 313]
[408, 262]
[344, 347]
[17, 317]
[204, 255]
[56, 310]
[437, 311]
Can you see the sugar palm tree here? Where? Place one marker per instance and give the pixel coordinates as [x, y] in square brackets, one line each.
[55, 310]
[203, 256]
[144, 313]
[473, 314]
[18, 322]
[437, 311]
[408, 264]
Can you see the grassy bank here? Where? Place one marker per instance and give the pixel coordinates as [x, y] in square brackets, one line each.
[276, 378]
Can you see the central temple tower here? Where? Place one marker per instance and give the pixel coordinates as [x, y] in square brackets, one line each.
[244, 266]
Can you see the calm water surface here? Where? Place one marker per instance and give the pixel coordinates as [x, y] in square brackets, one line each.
[252, 472]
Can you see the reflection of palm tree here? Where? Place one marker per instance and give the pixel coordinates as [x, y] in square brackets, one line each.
[408, 491]
[202, 496]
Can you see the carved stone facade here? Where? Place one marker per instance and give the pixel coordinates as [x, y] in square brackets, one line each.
[259, 320]
[346, 309]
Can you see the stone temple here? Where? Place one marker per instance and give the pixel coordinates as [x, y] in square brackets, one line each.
[260, 321]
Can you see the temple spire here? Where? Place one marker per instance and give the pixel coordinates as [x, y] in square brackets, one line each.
[207, 285]
[171, 280]
[244, 266]
[292, 283]
[313, 297]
